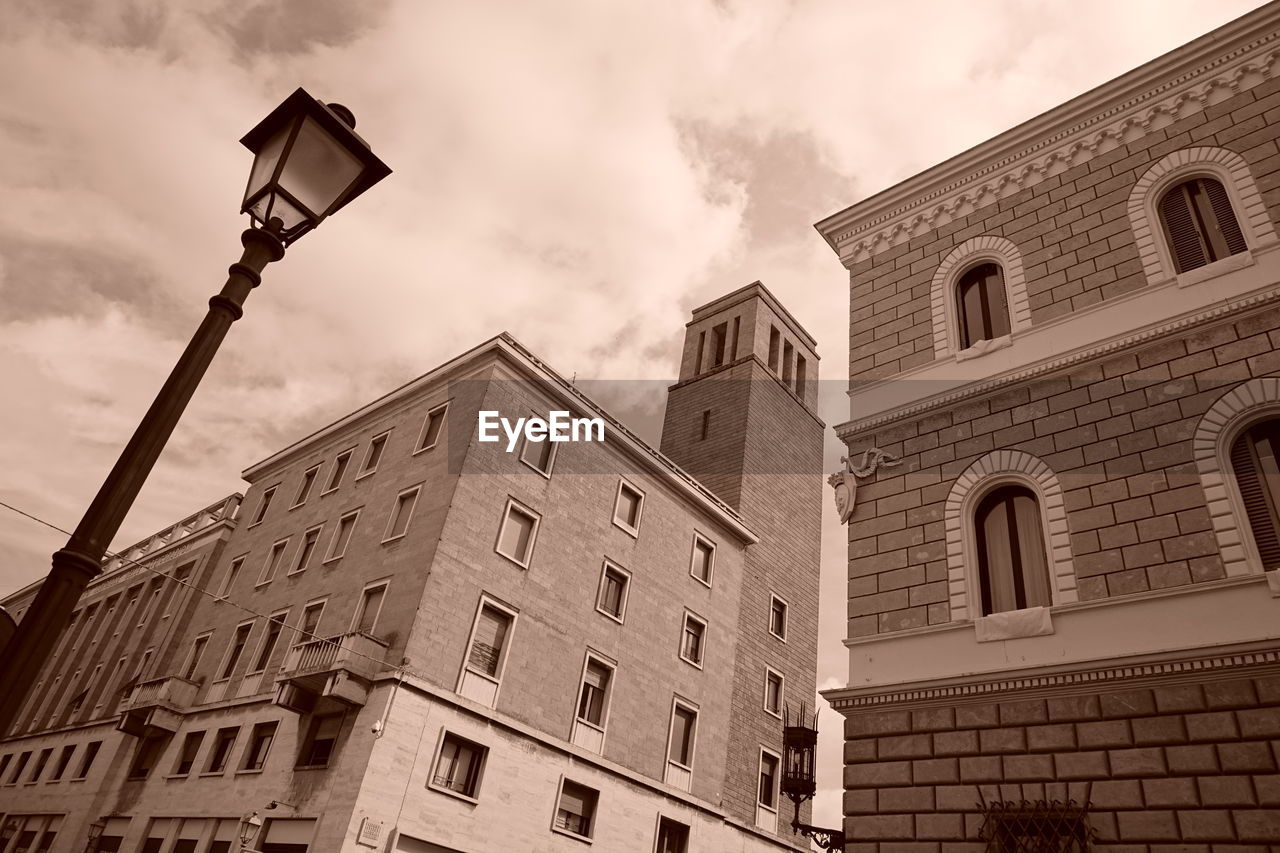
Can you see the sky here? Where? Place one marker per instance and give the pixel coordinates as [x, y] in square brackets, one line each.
[579, 174]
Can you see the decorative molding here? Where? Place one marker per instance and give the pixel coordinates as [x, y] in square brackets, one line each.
[851, 429]
[1123, 111]
[1229, 168]
[1150, 674]
[998, 468]
[946, 319]
[1210, 446]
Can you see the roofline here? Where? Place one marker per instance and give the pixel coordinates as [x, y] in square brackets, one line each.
[739, 295]
[506, 345]
[1051, 126]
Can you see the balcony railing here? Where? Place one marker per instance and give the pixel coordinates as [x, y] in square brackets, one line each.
[157, 705]
[338, 667]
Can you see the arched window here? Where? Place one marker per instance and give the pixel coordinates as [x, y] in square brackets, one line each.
[1012, 566]
[1254, 456]
[1199, 224]
[982, 308]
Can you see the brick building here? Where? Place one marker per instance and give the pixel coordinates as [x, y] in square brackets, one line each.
[414, 640]
[1066, 586]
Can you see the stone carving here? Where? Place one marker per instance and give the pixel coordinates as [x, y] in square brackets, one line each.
[845, 482]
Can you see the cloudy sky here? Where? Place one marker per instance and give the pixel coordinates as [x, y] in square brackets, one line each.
[580, 174]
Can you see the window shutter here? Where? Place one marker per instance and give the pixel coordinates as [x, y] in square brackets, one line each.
[487, 647]
[1185, 242]
[1257, 506]
[1228, 226]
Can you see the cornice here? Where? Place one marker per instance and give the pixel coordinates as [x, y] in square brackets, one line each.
[851, 429]
[1151, 671]
[1231, 59]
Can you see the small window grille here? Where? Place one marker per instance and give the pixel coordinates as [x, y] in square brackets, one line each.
[1037, 826]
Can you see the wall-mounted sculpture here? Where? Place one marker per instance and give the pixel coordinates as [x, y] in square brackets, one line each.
[845, 482]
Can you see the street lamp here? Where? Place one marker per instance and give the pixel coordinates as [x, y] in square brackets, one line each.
[308, 163]
[799, 781]
[95, 832]
[250, 825]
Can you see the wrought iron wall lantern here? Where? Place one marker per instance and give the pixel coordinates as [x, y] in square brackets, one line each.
[799, 781]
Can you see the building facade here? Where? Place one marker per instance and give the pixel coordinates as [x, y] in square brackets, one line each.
[1063, 573]
[413, 639]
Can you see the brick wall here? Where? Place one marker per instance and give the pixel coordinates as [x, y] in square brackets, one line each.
[1117, 433]
[1072, 230]
[1173, 766]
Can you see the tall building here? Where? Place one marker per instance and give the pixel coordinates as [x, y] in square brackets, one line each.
[1063, 570]
[414, 639]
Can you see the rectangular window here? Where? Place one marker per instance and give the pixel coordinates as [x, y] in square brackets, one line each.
[517, 534]
[310, 627]
[263, 505]
[42, 761]
[64, 761]
[684, 725]
[702, 347]
[593, 697]
[399, 521]
[322, 737]
[737, 338]
[268, 645]
[238, 642]
[777, 617]
[370, 606]
[488, 641]
[706, 425]
[787, 360]
[374, 454]
[538, 455]
[800, 375]
[691, 641]
[86, 763]
[180, 577]
[431, 428]
[230, 577]
[459, 765]
[198, 646]
[308, 550]
[4, 764]
[612, 600]
[673, 836]
[576, 809]
[255, 754]
[221, 751]
[149, 749]
[702, 562]
[19, 766]
[308, 481]
[719, 343]
[767, 795]
[153, 598]
[775, 341]
[628, 507]
[339, 470]
[342, 536]
[773, 692]
[187, 757]
[273, 562]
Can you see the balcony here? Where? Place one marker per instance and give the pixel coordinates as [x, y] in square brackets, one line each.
[333, 670]
[157, 706]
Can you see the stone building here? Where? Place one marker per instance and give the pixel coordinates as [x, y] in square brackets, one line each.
[1063, 575]
[411, 639]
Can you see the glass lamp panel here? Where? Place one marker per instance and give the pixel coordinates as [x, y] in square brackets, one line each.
[319, 169]
[264, 162]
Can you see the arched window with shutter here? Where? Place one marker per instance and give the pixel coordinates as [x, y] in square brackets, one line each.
[982, 306]
[1199, 224]
[1254, 456]
[1013, 568]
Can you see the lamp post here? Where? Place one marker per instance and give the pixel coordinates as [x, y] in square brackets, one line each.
[95, 832]
[250, 825]
[308, 163]
[799, 782]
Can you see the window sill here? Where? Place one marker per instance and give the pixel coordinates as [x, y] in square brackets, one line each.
[457, 795]
[1273, 582]
[524, 565]
[585, 839]
[981, 348]
[1014, 625]
[173, 776]
[1231, 263]
[311, 767]
[327, 560]
[364, 474]
[633, 532]
[693, 663]
[391, 539]
[424, 449]
[247, 772]
[616, 618]
[209, 774]
[779, 637]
